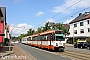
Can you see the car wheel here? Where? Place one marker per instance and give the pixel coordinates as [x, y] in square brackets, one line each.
[88, 48]
[81, 47]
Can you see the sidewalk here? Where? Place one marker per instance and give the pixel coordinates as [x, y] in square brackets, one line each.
[16, 54]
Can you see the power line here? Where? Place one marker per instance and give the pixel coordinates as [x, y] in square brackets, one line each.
[62, 11]
[74, 13]
[66, 9]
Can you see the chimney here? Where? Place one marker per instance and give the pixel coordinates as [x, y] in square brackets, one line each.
[80, 14]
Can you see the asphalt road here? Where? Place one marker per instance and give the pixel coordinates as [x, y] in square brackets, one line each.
[84, 50]
[41, 54]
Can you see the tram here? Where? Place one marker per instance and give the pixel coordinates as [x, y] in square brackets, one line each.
[50, 39]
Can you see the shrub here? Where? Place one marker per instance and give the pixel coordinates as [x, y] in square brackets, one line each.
[1, 43]
[88, 40]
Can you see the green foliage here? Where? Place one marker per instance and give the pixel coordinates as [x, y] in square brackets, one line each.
[60, 27]
[21, 36]
[30, 32]
[44, 28]
[1, 44]
[57, 26]
[88, 40]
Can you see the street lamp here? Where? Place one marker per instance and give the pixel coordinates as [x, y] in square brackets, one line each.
[73, 31]
[11, 35]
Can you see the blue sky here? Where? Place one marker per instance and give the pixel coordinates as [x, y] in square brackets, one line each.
[32, 13]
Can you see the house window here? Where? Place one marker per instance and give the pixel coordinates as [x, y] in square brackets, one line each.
[88, 22]
[75, 25]
[81, 23]
[75, 31]
[81, 30]
[88, 29]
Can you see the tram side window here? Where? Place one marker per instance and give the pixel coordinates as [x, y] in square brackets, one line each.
[38, 37]
[41, 37]
[45, 37]
[52, 37]
[33, 38]
[28, 39]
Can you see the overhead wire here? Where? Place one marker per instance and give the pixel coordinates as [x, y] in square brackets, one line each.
[71, 15]
[67, 8]
[61, 11]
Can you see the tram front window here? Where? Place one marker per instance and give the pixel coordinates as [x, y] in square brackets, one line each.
[60, 38]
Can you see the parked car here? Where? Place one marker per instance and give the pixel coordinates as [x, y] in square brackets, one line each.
[81, 45]
[88, 46]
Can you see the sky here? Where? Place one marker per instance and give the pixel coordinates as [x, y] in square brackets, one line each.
[25, 14]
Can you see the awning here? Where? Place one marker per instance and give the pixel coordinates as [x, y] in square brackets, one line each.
[78, 37]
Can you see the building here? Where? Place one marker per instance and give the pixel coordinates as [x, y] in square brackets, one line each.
[2, 25]
[66, 26]
[80, 26]
[4, 28]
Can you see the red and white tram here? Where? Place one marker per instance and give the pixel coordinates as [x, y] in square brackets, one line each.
[50, 39]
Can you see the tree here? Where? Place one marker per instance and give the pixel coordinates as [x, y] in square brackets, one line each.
[88, 39]
[30, 32]
[21, 36]
[39, 29]
[60, 27]
[43, 28]
[47, 26]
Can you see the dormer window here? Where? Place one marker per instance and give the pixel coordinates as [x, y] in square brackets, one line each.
[81, 23]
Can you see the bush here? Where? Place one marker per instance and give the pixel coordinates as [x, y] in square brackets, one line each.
[1, 43]
[88, 40]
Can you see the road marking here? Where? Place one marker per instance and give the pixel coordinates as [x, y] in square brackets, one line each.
[47, 51]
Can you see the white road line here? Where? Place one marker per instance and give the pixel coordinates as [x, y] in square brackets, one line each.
[47, 51]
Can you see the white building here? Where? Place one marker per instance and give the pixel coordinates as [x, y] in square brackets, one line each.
[80, 26]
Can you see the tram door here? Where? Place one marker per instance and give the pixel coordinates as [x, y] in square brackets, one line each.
[51, 38]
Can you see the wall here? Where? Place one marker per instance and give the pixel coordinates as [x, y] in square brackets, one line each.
[86, 33]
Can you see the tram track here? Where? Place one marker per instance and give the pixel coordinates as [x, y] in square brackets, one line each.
[75, 55]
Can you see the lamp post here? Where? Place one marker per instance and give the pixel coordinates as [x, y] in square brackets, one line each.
[73, 30]
[11, 36]
[73, 33]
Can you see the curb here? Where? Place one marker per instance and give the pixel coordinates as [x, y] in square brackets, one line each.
[30, 57]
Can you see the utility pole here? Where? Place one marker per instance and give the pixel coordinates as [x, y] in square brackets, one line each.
[11, 36]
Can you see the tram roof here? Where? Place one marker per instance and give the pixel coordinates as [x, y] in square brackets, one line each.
[46, 32]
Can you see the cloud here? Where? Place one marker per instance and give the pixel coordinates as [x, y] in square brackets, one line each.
[40, 13]
[20, 29]
[68, 3]
[17, 1]
[68, 21]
